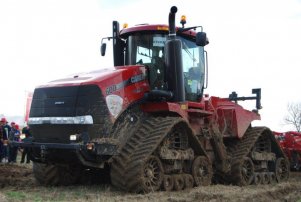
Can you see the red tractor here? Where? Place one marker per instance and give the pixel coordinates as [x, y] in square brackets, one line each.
[147, 121]
[291, 144]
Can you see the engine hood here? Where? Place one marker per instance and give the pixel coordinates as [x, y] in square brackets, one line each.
[101, 77]
[122, 84]
[85, 105]
[83, 78]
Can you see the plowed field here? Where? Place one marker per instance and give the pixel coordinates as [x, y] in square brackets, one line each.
[17, 184]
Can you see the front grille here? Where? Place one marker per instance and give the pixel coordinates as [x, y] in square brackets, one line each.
[54, 102]
[68, 102]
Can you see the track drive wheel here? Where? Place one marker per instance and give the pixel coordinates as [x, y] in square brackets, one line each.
[202, 171]
[281, 169]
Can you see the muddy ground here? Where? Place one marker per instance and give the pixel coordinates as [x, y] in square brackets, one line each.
[17, 184]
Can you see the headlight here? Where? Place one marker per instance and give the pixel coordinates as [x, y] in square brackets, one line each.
[73, 137]
[61, 120]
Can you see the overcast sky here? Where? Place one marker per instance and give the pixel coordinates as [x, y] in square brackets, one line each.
[253, 44]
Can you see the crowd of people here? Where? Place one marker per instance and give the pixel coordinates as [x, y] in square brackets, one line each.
[9, 133]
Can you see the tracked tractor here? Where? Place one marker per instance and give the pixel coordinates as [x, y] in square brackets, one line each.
[147, 120]
[290, 142]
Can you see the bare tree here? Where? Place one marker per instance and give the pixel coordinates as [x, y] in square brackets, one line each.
[294, 115]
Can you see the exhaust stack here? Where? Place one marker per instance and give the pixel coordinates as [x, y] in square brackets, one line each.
[173, 61]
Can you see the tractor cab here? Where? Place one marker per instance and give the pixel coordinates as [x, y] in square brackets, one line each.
[145, 45]
[148, 49]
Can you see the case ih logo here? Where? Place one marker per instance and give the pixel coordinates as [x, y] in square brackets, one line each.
[59, 102]
[132, 80]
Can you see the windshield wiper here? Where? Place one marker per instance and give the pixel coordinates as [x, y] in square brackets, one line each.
[188, 52]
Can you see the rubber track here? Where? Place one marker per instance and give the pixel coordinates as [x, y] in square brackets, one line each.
[126, 168]
[243, 148]
[46, 174]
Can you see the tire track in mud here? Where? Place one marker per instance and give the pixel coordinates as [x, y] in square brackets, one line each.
[17, 177]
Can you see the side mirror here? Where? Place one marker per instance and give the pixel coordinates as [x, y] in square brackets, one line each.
[201, 39]
[103, 49]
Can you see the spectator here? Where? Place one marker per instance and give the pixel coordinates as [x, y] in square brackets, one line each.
[18, 134]
[26, 131]
[5, 133]
[25, 153]
[13, 136]
[1, 141]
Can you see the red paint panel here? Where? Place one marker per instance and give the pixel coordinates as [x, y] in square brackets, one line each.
[233, 119]
[290, 142]
[164, 107]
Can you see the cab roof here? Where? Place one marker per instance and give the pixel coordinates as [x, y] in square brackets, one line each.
[160, 28]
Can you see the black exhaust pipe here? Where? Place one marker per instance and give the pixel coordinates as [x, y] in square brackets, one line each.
[117, 46]
[173, 61]
[171, 21]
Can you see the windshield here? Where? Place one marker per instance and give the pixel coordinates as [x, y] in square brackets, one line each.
[148, 49]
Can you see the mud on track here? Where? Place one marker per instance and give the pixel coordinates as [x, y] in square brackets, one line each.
[19, 179]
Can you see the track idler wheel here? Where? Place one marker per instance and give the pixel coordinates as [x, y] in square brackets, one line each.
[152, 175]
[202, 171]
[168, 183]
[281, 169]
